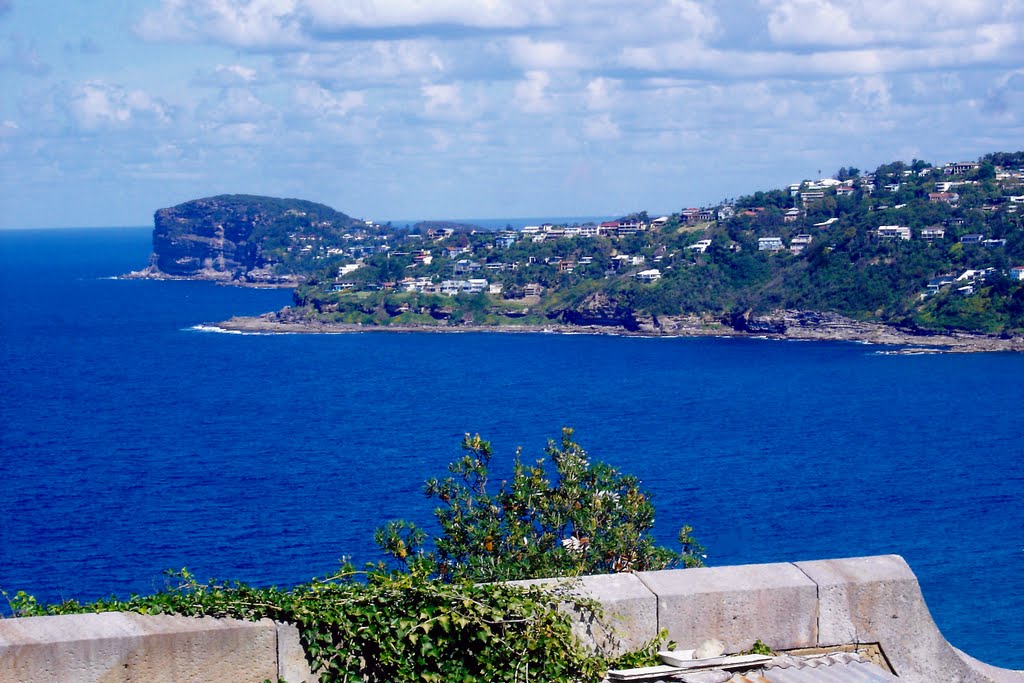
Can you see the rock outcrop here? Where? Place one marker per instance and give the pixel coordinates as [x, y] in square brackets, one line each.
[242, 238]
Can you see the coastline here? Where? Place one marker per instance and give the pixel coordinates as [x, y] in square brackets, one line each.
[216, 277]
[854, 331]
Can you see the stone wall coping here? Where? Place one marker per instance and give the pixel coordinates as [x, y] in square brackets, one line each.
[814, 604]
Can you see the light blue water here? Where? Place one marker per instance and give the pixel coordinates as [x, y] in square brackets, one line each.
[130, 443]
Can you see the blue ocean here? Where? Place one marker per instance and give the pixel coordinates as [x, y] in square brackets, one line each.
[133, 441]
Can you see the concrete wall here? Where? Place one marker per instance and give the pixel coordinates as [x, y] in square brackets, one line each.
[117, 647]
[820, 604]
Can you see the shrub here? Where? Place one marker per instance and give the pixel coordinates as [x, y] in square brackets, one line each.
[563, 515]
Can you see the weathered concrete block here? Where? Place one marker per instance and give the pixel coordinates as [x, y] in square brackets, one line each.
[630, 610]
[737, 605]
[878, 600]
[117, 647]
[292, 665]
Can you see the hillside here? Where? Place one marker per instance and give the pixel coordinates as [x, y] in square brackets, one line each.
[926, 248]
[245, 238]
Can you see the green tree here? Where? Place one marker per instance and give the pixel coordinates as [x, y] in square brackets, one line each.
[563, 515]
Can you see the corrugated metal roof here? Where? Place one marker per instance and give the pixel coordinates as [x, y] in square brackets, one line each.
[834, 668]
[840, 667]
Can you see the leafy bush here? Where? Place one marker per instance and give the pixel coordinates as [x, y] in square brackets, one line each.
[563, 515]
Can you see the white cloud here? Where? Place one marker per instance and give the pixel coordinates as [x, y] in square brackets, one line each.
[326, 104]
[530, 54]
[802, 22]
[491, 14]
[871, 93]
[900, 22]
[375, 62]
[240, 23]
[441, 99]
[531, 93]
[238, 105]
[602, 93]
[601, 128]
[94, 105]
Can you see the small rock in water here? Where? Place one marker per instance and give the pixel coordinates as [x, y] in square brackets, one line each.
[709, 648]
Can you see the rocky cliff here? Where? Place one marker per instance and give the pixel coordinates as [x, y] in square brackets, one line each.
[243, 238]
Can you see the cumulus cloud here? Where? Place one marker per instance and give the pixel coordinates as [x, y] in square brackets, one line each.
[239, 23]
[226, 75]
[239, 106]
[602, 93]
[97, 105]
[531, 93]
[903, 22]
[529, 54]
[601, 128]
[376, 62]
[326, 104]
[491, 14]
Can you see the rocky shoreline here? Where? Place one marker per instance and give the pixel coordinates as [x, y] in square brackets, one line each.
[789, 325]
[217, 277]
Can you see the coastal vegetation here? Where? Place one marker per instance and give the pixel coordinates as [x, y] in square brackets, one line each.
[443, 612]
[929, 249]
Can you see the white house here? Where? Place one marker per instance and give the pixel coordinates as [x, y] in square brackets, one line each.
[769, 244]
[1017, 273]
[894, 232]
[799, 243]
[934, 233]
[700, 246]
[648, 275]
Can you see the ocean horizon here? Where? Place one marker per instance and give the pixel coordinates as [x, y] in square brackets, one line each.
[135, 439]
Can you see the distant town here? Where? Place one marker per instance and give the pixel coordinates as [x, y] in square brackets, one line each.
[932, 247]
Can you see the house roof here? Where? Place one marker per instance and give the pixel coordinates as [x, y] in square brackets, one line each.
[838, 667]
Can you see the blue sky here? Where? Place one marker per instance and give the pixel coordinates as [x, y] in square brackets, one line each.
[485, 108]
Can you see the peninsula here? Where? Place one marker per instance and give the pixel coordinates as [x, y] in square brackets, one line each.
[930, 256]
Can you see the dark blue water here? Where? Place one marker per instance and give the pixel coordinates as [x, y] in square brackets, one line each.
[132, 443]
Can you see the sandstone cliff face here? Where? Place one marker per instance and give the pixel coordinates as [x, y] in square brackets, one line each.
[239, 237]
[600, 308]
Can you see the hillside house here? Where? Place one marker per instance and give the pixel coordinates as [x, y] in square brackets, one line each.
[961, 168]
[690, 215]
[792, 215]
[505, 239]
[937, 284]
[799, 243]
[648, 275]
[973, 238]
[894, 232]
[951, 198]
[769, 244]
[1017, 273]
[933, 233]
[532, 289]
[974, 276]
[700, 247]
[808, 197]
[826, 223]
